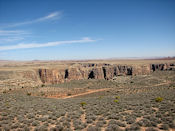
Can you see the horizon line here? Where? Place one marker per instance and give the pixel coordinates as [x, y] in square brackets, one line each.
[117, 58]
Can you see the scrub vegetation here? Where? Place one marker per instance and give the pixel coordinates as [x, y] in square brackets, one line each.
[138, 103]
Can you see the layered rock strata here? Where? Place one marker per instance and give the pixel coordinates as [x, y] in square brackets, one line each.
[97, 71]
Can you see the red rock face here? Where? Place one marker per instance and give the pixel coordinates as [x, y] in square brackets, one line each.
[97, 71]
[51, 76]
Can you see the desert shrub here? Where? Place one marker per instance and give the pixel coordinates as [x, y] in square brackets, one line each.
[4, 114]
[84, 125]
[21, 126]
[69, 94]
[172, 124]
[54, 118]
[46, 124]
[93, 117]
[100, 118]
[100, 97]
[36, 129]
[43, 119]
[42, 93]
[83, 104]
[35, 123]
[66, 124]
[78, 125]
[154, 124]
[68, 129]
[53, 129]
[112, 122]
[29, 93]
[151, 129]
[92, 128]
[164, 127]
[117, 97]
[30, 116]
[116, 101]
[53, 122]
[59, 127]
[121, 124]
[99, 124]
[62, 119]
[15, 126]
[43, 128]
[4, 92]
[158, 114]
[140, 123]
[112, 116]
[130, 121]
[89, 120]
[6, 128]
[133, 127]
[158, 99]
[112, 127]
[62, 113]
[146, 122]
[20, 129]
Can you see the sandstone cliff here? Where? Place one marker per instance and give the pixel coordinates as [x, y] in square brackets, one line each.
[98, 71]
[35, 74]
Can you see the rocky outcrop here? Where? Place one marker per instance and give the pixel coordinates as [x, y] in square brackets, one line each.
[59, 72]
[52, 76]
[155, 67]
[97, 71]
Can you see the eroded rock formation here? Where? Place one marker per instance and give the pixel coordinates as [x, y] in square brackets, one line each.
[97, 71]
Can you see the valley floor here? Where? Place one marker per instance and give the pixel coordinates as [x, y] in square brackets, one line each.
[124, 103]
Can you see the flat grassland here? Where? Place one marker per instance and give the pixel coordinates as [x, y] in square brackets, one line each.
[145, 102]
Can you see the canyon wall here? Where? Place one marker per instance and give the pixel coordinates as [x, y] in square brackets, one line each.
[33, 74]
[98, 71]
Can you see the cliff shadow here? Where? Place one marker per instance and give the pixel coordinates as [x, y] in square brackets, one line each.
[91, 75]
[104, 72]
[66, 74]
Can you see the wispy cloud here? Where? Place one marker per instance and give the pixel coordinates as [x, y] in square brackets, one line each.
[54, 15]
[10, 39]
[37, 45]
[7, 36]
[12, 32]
[51, 16]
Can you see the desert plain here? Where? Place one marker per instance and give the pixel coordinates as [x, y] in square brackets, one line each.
[89, 95]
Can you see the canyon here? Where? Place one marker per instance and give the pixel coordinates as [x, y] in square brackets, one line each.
[98, 71]
[37, 73]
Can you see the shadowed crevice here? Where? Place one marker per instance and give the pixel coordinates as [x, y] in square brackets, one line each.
[104, 72]
[115, 71]
[40, 72]
[66, 74]
[91, 75]
[153, 67]
[129, 71]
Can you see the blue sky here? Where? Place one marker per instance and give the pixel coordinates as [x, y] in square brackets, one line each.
[91, 29]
